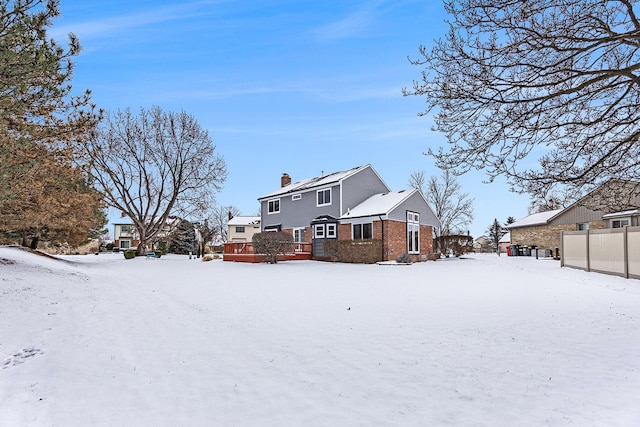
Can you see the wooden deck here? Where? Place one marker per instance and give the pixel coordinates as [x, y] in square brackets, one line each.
[243, 252]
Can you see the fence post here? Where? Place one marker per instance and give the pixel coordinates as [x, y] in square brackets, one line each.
[562, 248]
[588, 252]
[626, 251]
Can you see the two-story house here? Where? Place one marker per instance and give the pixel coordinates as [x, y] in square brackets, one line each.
[355, 204]
[242, 228]
[125, 236]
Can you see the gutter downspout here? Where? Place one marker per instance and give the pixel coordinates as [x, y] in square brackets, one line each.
[382, 235]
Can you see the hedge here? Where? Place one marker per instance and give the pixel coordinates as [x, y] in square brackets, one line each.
[354, 251]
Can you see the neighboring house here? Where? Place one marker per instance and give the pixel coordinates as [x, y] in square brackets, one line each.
[544, 229]
[354, 205]
[482, 244]
[242, 228]
[126, 235]
[505, 241]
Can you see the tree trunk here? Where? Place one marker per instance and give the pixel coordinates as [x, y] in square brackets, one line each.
[142, 248]
[34, 242]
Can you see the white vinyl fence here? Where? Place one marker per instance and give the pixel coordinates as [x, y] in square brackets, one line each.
[612, 251]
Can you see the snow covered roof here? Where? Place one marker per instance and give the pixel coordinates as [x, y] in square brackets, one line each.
[244, 220]
[379, 204]
[506, 238]
[619, 214]
[535, 219]
[317, 181]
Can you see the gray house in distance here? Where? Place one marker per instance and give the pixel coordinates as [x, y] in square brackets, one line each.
[355, 204]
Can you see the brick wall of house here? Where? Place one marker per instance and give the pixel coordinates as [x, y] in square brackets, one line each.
[546, 236]
[344, 231]
[426, 240]
[395, 240]
[134, 243]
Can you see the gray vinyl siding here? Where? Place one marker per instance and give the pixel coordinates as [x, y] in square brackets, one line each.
[299, 213]
[575, 215]
[359, 187]
[415, 203]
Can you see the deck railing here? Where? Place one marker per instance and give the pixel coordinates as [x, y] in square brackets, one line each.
[246, 248]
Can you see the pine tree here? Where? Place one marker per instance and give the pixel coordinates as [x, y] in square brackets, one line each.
[496, 231]
[183, 239]
[44, 192]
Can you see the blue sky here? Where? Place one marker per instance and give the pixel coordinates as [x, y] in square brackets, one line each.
[296, 86]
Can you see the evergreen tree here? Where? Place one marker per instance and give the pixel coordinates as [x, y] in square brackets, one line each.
[496, 231]
[183, 239]
[44, 192]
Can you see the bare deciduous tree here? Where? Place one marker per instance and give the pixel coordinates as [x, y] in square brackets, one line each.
[154, 165]
[219, 218]
[556, 79]
[453, 208]
[418, 180]
[272, 244]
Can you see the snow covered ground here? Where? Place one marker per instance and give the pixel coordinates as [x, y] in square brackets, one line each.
[483, 341]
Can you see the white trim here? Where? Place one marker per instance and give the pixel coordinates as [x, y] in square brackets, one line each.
[332, 231]
[413, 232]
[323, 190]
[269, 212]
[301, 231]
[296, 196]
[626, 220]
[316, 234]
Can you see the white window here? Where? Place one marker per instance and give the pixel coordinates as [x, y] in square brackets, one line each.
[332, 231]
[619, 223]
[298, 235]
[362, 231]
[239, 229]
[125, 244]
[273, 206]
[413, 233]
[318, 231]
[295, 197]
[581, 226]
[324, 197]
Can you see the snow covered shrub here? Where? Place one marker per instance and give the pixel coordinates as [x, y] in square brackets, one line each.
[128, 254]
[404, 259]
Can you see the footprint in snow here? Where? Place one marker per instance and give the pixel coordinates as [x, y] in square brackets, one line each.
[19, 357]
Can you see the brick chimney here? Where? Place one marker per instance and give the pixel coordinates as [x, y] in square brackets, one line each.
[285, 180]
